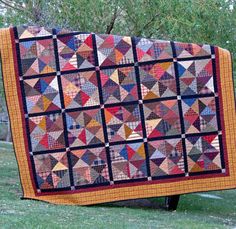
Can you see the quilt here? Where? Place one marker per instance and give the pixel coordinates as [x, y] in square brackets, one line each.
[98, 118]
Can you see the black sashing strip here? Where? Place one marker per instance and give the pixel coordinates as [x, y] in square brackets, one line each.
[34, 172]
[221, 151]
[36, 38]
[23, 97]
[116, 66]
[44, 113]
[130, 181]
[69, 110]
[107, 148]
[28, 134]
[120, 104]
[217, 103]
[87, 146]
[126, 142]
[205, 172]
[215, 81]
[142, 116]
[164, 137]
[220, 135]
[18, 52]
[180, 106]
[68, 154]
[168, 176]
[62, 105]
[202, 134]
[49, 151]
[55, 189]
[39, 75]
[197, 96]
[194, 58]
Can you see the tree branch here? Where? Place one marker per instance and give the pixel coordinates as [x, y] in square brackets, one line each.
[113, 19]
[9, 5]
[147, 24]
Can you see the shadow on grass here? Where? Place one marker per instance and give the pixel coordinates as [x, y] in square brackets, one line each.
[151, 203]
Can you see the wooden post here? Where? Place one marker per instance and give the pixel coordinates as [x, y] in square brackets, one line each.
[171, 202]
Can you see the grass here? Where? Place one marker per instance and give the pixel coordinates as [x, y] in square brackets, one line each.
[194, 211]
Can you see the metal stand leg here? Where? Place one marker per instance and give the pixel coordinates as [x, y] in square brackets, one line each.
[171, 202]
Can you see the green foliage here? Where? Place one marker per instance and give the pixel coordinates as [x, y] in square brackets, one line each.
[1, 21]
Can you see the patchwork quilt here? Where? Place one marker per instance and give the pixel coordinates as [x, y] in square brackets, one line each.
[99, 118]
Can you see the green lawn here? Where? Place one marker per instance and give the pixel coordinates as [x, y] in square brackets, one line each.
[195, 210]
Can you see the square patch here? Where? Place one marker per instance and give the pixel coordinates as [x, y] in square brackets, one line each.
[114, 50]
[186, 50]
[80, 89]
[162, 118]
[84, 127]
[89, 166]
[46, 132]
[67, 52]
[149, 50]
[123, 123]
[166, 157]
[37, 57]
[42, 94]
[157, 80]
[196, 77]
[76, 52]
[199, 115]
[128, 161]
[33, 32]
[119, 85]
[52, 170]
[84, 51]
[203, 153]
